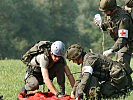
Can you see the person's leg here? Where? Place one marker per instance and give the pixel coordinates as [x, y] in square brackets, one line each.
[124, 56]
[107, 89]
[117, 83]
[31, 83]
[32, 80]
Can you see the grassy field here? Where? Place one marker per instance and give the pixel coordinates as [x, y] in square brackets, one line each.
[12, 73]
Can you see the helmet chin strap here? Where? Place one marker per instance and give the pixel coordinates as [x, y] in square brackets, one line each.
[79, 60]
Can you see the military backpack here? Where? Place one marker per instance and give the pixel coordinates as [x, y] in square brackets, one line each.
[36, 49]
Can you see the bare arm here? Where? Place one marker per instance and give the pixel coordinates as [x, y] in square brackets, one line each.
[70, 76]
[47, 81]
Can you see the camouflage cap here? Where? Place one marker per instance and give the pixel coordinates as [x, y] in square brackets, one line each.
[107, 5]
[74, 51]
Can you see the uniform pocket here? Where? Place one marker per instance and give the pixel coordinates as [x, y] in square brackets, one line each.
[118, 74]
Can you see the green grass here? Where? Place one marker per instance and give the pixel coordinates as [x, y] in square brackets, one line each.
[12, 73]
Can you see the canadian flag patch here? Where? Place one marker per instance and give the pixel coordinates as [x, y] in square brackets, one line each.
[123, 33]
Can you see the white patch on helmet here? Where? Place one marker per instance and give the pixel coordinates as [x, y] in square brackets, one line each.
[87, 69]
[123, 33]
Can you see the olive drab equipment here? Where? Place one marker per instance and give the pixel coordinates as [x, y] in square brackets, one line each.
[36, 49]
[107, 5]
[129, 3]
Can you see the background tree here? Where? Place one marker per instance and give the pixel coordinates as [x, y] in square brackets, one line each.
[24, 22]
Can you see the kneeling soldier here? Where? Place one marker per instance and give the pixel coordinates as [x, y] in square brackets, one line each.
[96, 69]
[45, 67]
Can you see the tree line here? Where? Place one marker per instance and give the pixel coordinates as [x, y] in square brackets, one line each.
[24, 22]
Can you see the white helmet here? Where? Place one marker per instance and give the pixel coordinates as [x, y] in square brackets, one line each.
[58, 48]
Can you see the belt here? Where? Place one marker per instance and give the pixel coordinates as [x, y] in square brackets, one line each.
[34, 69]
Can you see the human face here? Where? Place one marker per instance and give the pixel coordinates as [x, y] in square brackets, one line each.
[54, 57]
[107, 12]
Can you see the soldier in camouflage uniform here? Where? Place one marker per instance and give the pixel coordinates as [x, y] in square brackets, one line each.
[96, 69]
[45, 67]
[119, 25]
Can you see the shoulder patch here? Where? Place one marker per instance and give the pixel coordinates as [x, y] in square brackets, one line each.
[123, 33]
[87, 69]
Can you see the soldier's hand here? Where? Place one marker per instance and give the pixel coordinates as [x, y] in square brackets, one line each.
[108, 52]
[59, 95]
[97, 23]
[98, 20]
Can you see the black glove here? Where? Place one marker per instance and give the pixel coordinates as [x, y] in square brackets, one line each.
[60, 95]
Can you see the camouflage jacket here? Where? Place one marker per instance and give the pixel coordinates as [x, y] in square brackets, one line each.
[104, 69]
[120, 27]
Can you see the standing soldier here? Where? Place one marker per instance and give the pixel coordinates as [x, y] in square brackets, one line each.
[119, 25]
[96, 69]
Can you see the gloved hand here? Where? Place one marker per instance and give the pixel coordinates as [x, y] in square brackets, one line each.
[72, 95]
[98, 20]
[108, 52]
[78, 98]
[60, 95]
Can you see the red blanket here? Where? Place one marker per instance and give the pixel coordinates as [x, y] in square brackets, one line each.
[42, 96]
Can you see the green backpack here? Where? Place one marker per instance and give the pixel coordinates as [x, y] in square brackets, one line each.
[36, 49]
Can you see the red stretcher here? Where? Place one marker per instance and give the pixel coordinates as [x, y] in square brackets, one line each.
[41, 96]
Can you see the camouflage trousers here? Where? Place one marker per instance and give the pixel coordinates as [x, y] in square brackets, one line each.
[124, 56]
[117, 81]
[103, 90]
